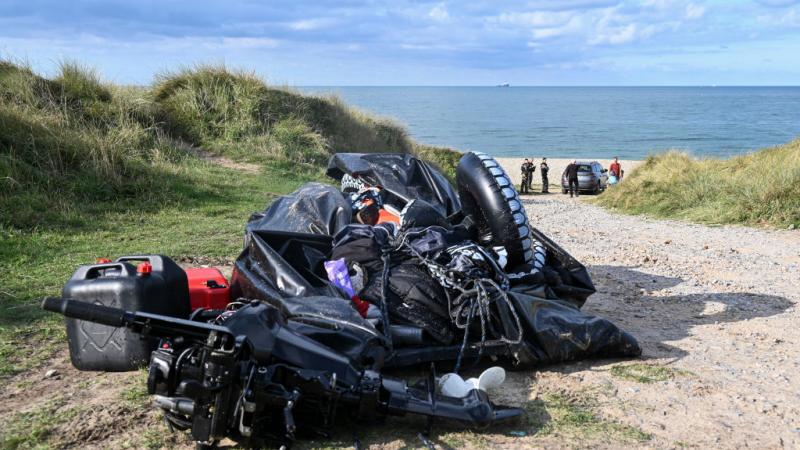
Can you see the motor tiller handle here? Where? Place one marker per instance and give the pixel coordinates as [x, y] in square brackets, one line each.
[96, 313]
[146, 324]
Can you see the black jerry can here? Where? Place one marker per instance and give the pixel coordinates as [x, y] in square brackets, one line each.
[157, 285]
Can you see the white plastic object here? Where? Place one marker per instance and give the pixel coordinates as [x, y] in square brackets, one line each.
[491, 378]
[452, 385]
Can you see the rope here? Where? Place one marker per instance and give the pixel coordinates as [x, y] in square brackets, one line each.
[476, 294]
[386, 258]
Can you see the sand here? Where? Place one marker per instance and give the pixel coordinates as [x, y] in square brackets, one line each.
[557, 166]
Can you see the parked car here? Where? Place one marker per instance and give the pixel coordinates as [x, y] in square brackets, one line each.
[592, 177]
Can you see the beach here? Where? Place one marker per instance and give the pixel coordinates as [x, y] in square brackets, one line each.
[557, 166]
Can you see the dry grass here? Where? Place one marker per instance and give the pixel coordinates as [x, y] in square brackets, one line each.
[73, 141]
[761, 188]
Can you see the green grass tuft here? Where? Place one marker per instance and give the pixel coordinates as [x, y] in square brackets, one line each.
[33, 429]
[136, 396]
[576, 416]
[73, 146]
[761, 188]
[444, 159]
[645, 373]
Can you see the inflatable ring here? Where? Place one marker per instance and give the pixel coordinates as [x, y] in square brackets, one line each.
[488, 195]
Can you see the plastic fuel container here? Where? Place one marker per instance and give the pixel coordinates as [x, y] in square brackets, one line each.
[155, 285]
[208, 288]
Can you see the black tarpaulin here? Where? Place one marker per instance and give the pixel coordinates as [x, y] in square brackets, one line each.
[286, 269]
[287, 245]
[404, 177]
[556, 330]
[314, 208]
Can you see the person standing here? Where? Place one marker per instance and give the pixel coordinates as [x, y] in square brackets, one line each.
[531, 171]
[571, 173]
[545, 182]
[616, 169]
[525, 170]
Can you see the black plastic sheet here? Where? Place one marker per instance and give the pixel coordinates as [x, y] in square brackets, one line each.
[287, 244]
[404, 178]
[286, 270]
[556, 331]
[314, 208]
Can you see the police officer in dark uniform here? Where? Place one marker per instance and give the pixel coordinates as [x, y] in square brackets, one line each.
[524, 187]
[545, 182]
[531, 171]
[571, 173]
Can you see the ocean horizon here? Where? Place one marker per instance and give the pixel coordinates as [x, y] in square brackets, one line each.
[586, 121]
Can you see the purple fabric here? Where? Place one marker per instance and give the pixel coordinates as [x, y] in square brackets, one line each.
[337, 274]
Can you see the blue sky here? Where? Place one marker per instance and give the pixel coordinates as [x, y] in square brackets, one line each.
[535, 42]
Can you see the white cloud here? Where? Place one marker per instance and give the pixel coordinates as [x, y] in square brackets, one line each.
[615, 36]
[310, 24]
[212, 43]
[573, 26]
[439, 13]
[247, 42]
[617, 24]
[535, 18]
[694, 11]
[785, 18]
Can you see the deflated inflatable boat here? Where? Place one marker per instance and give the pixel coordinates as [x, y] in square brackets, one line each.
[337, 284]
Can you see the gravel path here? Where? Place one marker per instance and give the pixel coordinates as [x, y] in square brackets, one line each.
[717, 304]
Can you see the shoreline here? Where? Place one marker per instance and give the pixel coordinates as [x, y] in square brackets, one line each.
[557, 166]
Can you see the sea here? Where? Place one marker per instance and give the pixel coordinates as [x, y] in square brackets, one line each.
[596, 122]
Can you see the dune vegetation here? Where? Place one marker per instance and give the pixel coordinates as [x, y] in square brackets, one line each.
[760, 188]
[73, 140]
[89, 169]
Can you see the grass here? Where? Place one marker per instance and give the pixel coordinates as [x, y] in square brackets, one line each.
[89, 169]
[442, 158]
[136, 396]
[38, 262]
[760, 188]
[645, 373]
[33, 429]
[576, 416]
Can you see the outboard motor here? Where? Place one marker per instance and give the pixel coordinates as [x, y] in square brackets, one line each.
[252, 379]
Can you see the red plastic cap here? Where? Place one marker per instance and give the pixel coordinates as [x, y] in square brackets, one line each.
[103, 260]
[144, 269]
[361, 305]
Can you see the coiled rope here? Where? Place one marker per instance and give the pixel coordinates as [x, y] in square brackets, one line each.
[475, 295]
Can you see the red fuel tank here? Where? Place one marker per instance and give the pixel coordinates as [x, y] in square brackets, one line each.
[208, 288]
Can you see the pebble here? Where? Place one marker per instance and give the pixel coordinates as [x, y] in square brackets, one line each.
[52, 373]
